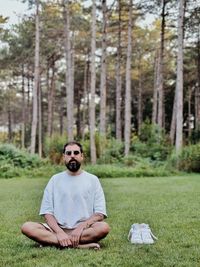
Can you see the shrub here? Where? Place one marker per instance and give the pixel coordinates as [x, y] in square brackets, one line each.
[111, 151]
[195, 136]
[114, 171]
[17, 157]
[53, 147]
[14, 160]
[188, 159]
[151, 143]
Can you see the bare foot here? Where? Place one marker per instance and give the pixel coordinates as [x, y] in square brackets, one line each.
[95, 246]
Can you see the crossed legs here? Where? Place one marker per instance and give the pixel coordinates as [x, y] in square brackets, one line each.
[88, 239]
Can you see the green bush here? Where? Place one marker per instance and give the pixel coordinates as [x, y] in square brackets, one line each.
[112, 151]
[17, 157]
[14, 160]
[188, 159]
[114, 171]
[53, 147]
[151, 143]
[195, 136]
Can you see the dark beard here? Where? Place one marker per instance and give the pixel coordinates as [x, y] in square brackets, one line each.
[73, 165]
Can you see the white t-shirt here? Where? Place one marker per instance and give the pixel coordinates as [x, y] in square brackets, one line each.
[73, 199]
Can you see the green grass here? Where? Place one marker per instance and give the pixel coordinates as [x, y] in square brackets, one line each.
[169, 205]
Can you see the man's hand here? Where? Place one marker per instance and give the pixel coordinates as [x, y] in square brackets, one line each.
[64, 239]
[76, 235]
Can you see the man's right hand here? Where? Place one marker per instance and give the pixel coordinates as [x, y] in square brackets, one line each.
[64, 239]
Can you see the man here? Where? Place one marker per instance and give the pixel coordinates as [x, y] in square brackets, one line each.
[73, 206]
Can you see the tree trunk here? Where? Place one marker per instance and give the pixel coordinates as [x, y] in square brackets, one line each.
[36, 80]
[127, 128]
[85, 120]
[119, 80]
[61, 108]
[179, 80]
[189, 113]
[39, 121]
[197, 89]
[69, 87]
[103, 73]
[51, 93]
[9, 119]
[155, 91]
[23, 111]
[173, 121]
[160, 74]
[139, 119]
[92, 86]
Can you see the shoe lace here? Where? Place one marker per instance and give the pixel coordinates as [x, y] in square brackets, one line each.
[148, 233]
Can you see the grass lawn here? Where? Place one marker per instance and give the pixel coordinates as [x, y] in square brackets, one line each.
[171, 206]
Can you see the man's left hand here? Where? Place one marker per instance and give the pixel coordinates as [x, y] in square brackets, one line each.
[75, 236]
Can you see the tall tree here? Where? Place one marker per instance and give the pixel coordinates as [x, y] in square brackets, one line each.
[23, 128]
[36, 80]
[93, 85]
[127, 119]
[103, 73]
[197, 89]
[118, 122]
[160, 67]
[51, 95]
[69, 87]
[179, 79]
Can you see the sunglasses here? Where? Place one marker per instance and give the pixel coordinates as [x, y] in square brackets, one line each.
[75, 152]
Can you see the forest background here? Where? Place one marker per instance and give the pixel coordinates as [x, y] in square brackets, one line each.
[103, 73]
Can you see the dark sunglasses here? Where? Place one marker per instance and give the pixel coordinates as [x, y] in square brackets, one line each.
[75, 152]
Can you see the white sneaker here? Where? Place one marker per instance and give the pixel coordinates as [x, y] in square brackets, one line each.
[135, 234]
[146, 234]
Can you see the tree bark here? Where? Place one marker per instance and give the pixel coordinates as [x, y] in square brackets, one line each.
[39, 121]
[160, 68]
[155, 91]
[36, 81]
[127, 128]
[51, 93]
[85, 119]
[92, 86]
[68, 57]
[103, 73]
[173, 121]
[179, 80]
[197, 89]
[139, 119]
[23, 110]
[118, 80]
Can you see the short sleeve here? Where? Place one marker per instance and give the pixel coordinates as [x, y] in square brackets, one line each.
[99, 200]
[47, 200]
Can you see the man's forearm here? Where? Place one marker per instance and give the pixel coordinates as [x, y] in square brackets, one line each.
[51, 221]
[97, 217]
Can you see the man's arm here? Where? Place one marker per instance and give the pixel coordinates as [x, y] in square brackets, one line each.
[76, 233]
[63, 238]
[96, 217]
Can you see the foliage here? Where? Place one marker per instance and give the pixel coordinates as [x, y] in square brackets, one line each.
[13, 161]
[111, 151]
[151, 143]
[195, 136]
[53, 147]
[120, 170]
[169, 205]
[188, 159]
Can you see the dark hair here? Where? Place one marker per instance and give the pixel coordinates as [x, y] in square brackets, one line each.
[73, 143]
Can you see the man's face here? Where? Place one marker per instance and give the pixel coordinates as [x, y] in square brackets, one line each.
[73, 158]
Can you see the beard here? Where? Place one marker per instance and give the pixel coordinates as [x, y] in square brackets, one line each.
[73, 165]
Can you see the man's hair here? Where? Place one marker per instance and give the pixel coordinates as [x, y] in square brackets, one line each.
[73, 143]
